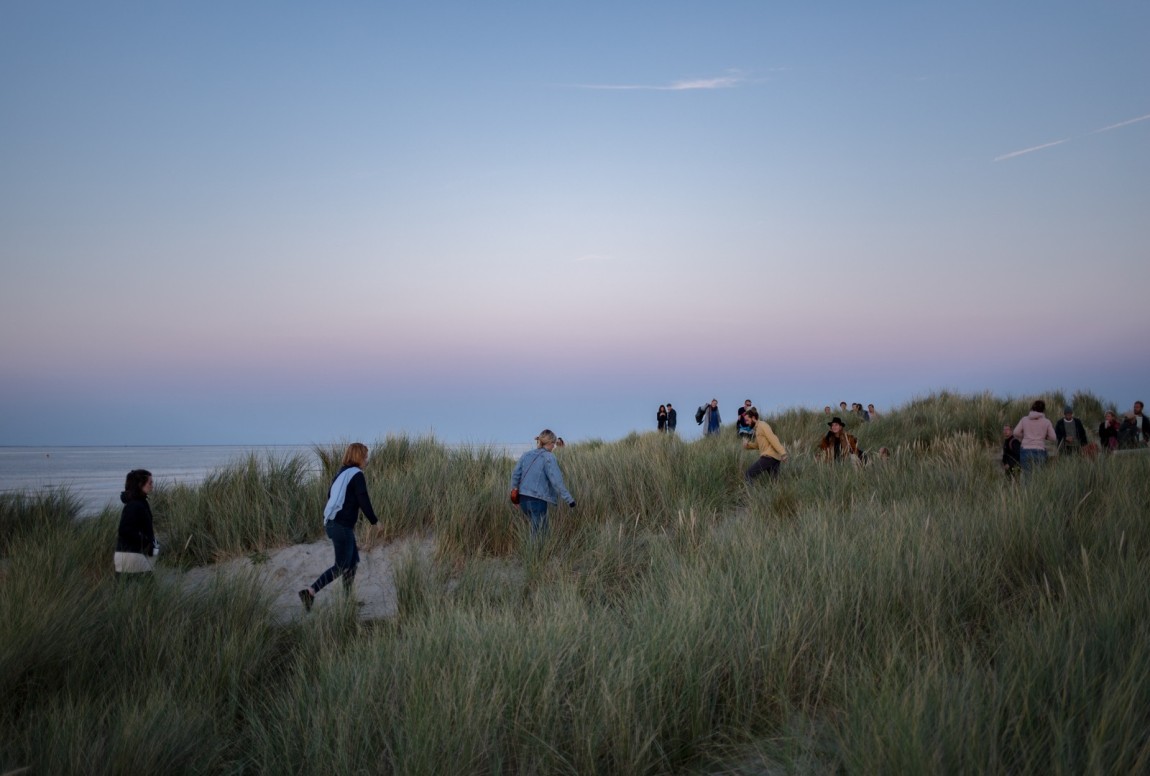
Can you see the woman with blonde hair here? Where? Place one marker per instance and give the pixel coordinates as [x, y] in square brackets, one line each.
[539, 483]
[346, 498]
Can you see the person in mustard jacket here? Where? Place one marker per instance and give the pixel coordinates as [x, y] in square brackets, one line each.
[771, 450]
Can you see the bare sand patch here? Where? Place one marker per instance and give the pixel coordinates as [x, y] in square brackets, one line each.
[285, 571]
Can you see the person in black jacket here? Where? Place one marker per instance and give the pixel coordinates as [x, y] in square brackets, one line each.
[136, 537]
[1108, 431]
[346, 498]
[1070, 432]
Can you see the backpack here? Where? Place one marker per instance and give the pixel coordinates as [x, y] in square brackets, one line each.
[699, 413]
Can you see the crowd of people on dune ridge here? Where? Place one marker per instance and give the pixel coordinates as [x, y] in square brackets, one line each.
[537, 482]
[757, 434]
[1024, 444]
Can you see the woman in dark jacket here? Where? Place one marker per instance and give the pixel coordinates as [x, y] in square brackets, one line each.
[136, 538]
[346, 498]
[1108, 431]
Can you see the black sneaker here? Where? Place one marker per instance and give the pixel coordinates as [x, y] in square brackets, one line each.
[308, 598]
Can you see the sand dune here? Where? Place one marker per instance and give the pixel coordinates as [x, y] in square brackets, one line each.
[283, 572]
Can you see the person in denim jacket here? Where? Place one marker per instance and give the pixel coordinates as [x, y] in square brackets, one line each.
[540, 483]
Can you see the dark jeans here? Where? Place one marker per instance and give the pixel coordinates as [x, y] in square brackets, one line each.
[535, 510]
[346, 556]
[1032, 459]
[765, 464]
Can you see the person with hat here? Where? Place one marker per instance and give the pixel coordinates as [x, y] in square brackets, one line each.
[771, 450]
[1070, 432]
[837, 444]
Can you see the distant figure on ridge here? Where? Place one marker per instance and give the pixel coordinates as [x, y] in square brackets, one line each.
[1108, 432]
[136, 544]
[347, 496]
[1011, 452]
[1034, 431]
[771, 450]
[1141, 425]
[871, 411]
[672, 418]
[661, 418]
[537, 482]
[837, 444]
[711, 419]
[742, 425]
[1070, 432]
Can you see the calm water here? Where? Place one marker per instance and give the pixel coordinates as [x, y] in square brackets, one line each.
[96, 474]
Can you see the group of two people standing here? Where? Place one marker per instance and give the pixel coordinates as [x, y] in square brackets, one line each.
[666, 418]
[536, 480]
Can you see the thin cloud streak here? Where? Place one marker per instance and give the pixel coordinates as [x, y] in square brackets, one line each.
[1031, 150]
[1126, 123]
[694, 84]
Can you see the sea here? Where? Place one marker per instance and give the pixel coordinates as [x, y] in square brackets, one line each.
[95, 475]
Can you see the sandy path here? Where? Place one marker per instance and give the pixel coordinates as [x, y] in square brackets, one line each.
[283, 572]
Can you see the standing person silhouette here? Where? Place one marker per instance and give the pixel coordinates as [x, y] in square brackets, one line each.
[672, 418]
[347, 496]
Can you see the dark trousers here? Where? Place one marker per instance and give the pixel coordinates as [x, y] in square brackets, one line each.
[346, 557]
[765, 464]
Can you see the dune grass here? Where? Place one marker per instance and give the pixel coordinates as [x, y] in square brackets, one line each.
[921, 614]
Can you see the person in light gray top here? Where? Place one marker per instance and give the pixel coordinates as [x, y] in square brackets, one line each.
[540, 483]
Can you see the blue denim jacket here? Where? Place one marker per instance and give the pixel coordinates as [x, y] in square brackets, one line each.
[537, 474]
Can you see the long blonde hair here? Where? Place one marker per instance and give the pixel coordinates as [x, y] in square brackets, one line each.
[356, 455]
[546, 437]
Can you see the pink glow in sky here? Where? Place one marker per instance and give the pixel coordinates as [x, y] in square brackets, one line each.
[258, 224]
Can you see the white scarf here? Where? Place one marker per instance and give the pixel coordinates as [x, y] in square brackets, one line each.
[338, 493]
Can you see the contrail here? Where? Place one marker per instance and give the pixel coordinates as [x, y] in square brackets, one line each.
[1013, 154]
[723, 82]
[1126, 123]
[1121, 124]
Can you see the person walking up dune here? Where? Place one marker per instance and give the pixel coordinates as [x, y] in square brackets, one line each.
[347, 497]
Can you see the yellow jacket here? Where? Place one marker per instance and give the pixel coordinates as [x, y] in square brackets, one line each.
[766, 442]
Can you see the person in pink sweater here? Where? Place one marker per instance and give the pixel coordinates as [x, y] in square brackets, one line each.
[1033, 431]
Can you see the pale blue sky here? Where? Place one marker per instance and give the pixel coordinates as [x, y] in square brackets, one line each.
[290, 222]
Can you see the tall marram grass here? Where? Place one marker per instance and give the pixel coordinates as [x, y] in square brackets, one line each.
[920, 614]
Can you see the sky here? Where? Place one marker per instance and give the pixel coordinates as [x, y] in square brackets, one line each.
[299, 222]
